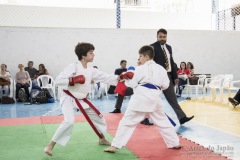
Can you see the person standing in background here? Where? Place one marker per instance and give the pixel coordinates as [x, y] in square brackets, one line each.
[163, 56]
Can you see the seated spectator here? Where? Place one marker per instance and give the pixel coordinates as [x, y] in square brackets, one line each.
[129, 90]
[41, 70]
[22, 79]
[183, 75]
[190, 67]
[99, 88]
[32, 72]
[4, 80]
[235, 100]
[123, 64]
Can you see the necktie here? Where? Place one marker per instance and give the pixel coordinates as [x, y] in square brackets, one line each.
[166, 58]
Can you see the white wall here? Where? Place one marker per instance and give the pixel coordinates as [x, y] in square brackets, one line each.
[215, 52]
[33, 16]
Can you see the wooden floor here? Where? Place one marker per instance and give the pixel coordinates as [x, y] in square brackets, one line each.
[216, 114]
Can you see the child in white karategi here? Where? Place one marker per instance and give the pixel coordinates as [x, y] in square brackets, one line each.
[77, 77]
[149, 78]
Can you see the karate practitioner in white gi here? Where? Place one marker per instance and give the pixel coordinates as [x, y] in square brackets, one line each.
[149, 78]
[77, 77]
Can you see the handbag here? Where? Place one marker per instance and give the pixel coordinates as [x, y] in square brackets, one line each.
[4, 82]
[193, 80]
[7, 100]
[43, 97]
[22, 96]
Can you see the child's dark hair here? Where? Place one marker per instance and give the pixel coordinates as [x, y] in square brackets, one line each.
[147, 50]
[82, 49]
[122, 61]
[164, 31]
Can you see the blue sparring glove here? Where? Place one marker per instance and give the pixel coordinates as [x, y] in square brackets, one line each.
[131, 68]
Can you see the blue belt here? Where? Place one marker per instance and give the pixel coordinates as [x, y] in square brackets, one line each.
[151, 86]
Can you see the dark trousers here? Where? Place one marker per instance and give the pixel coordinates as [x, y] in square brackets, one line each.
[237, 96]
[171, 97]
[129, 92]
[181, 83]
[19, 86]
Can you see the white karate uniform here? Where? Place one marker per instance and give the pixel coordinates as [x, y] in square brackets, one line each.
[146, 102]
[80, 91]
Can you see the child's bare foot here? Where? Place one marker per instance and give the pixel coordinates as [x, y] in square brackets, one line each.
[103, 141]
[48, 150]
[111, 149]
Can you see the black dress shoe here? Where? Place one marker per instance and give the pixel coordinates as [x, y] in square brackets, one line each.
[146, 122]
[233, 102]
[185, 119]
[116, 111]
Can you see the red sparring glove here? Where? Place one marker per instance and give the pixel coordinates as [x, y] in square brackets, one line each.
[120, 88]
[126, 75]
[76, 80]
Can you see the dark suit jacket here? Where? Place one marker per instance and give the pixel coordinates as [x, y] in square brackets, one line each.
[160, 59]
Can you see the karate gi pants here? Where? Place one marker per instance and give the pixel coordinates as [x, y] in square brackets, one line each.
[132, 118]
[64, 131]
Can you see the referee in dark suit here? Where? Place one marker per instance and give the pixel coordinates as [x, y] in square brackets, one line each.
[163, 57]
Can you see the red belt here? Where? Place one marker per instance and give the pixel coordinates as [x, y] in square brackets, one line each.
[84, 112]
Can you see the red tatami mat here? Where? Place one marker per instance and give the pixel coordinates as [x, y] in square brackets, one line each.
[36, 120]
[146, 142]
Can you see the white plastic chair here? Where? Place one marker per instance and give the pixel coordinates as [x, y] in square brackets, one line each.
[234, 86]
[93, 91]
[213, 84]
[47, 82]
[105, 88]
[226, 85]
[199, 85]
[12, 88]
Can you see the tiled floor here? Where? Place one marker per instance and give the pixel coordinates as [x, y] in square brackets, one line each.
[208, 128]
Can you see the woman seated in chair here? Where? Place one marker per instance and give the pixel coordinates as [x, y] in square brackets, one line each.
[41, 71]
[22, 79]
[4, 80]
[183, 75]
[190, 67]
